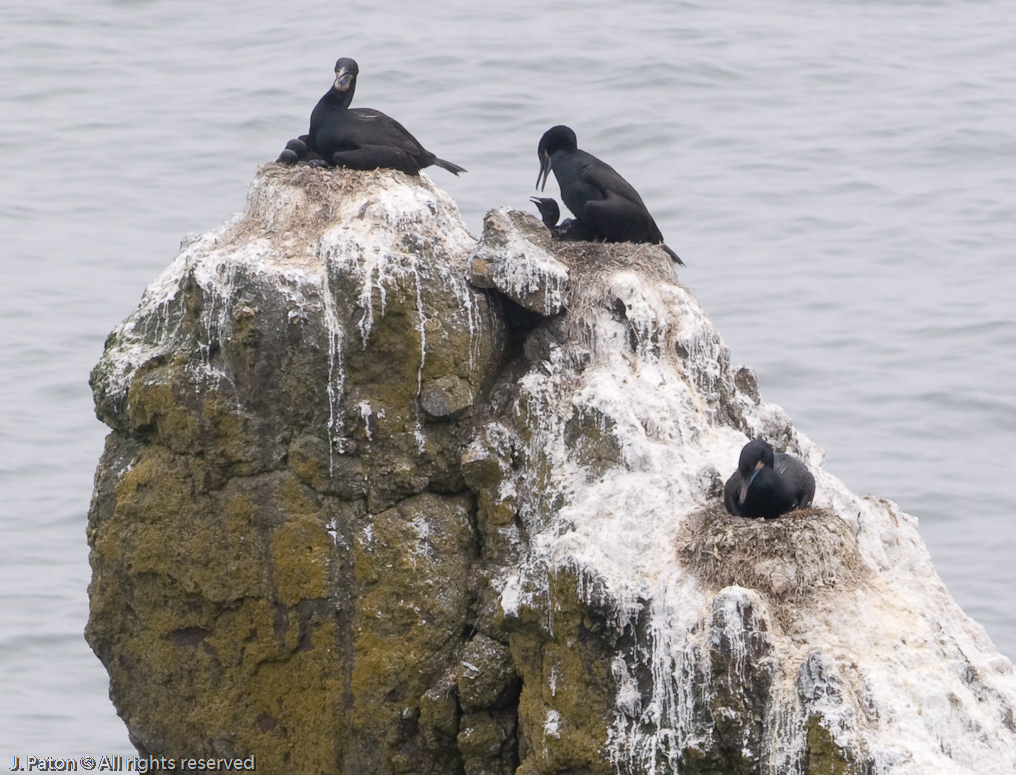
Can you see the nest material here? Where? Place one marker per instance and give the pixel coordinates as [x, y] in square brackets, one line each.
[593, 269]
[314, 193]
[589, 262]
[787, 559]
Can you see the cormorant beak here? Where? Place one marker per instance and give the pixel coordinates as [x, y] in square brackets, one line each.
[343, 79]
[746, 482]
[544, 171]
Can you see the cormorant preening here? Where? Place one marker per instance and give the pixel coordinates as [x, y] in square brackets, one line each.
[361, 138]
[767, 485]
[603, 202]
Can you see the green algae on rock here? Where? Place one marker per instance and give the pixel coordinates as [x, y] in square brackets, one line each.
[382, 498]
[281, 537]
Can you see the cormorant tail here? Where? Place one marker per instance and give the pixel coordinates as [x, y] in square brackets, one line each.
[672, 254]
[455, 169]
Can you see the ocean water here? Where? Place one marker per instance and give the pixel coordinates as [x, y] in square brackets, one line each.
[839, 177]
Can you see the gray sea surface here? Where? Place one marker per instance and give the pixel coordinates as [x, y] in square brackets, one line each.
[840, 178]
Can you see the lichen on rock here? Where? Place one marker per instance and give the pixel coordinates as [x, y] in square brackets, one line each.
[281, 534]
[382, 498]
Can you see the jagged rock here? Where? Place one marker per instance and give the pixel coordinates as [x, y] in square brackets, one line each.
[280, 534]
[380, 498]
[484, 674]
[742, 675]
[488, 744]
[445, 397]
[515, 257]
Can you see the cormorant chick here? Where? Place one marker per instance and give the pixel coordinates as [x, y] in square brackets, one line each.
[568, 230]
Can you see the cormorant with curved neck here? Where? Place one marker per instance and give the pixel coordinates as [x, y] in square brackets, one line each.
[361, 138]
[604, 203]
[767, 484]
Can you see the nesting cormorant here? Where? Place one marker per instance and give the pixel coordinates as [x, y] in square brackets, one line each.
[569, 229]
[767, 484]
[361, 138]
[604, 203]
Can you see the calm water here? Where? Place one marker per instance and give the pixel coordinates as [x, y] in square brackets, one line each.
[839, 177]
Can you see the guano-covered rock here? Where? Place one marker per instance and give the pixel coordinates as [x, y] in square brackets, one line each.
[382, 498]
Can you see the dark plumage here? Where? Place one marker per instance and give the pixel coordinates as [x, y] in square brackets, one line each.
[569, 229]
[549, 211]
[299, 150]
[297, 146]
[603, 203]
[361, 138]
[767, 484]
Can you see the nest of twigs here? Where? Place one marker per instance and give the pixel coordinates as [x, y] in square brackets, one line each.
[590, 262]
[801, 554]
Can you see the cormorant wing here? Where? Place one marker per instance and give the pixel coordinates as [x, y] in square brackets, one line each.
[622, 220]
[613, 207]
[372, 127]
[731, 490]
[797, 478]
[606, 180]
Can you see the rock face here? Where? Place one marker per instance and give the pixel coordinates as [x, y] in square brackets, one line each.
[382, 498]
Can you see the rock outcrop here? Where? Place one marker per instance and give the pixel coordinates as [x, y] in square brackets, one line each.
[382, 498]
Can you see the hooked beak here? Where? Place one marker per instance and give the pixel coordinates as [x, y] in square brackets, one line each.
[544, 171]
[746, 483]
[343, 79]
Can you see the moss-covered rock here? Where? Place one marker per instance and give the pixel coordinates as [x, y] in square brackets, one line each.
[282, 541]
[359, 515]
[568, 693]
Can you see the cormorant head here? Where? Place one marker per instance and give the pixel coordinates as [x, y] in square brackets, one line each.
[557, 138]
[549, 211]
[345, 75]
[756, 455]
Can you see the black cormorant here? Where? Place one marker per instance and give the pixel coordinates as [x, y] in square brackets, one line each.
[603, 202]
[767, 484]
[361, 138]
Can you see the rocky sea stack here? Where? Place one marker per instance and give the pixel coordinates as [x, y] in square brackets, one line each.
[382, 498]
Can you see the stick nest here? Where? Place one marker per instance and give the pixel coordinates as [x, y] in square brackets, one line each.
[787, 559]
